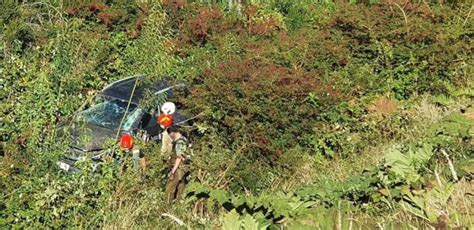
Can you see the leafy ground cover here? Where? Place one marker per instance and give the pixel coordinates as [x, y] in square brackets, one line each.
[312, 115]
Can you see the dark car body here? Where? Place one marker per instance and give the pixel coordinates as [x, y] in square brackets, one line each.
[116, 110]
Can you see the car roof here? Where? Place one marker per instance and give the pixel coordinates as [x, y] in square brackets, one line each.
[122, 89]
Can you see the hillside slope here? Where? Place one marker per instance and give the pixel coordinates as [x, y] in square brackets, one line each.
[311, 115]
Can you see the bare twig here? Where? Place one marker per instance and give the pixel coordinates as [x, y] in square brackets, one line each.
[175, 219]
[58, 12]
[222, 175]
[404, 14]
[339, 217]
[450, 164]
[380, 225]
[5, 54]
[428, 6]
[467, 210]
[437, 178]
[467, 17]
[126, 111]
[350, 222]
[239, 7]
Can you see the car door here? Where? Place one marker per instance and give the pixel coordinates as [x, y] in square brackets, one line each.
[148, 124]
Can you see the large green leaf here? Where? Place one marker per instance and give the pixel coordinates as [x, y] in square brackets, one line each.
[407, 163]
[250, 223]
[231, 221]
[429, 204]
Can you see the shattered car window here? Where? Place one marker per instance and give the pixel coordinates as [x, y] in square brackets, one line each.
[107, 113]
[132, 119]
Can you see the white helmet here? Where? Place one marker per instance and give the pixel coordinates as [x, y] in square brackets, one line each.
[168, 108]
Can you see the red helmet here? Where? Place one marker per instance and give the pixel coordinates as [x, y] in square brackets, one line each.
[165, 120]
[126, 141]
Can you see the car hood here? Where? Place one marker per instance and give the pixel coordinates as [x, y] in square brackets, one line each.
[86, 137]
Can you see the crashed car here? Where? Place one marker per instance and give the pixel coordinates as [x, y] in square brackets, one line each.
[111, 114]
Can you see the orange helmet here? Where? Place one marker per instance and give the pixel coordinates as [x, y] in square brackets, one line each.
[126, 141]
[165, 120]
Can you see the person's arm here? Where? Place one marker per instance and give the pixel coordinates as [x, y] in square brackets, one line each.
[176, 165]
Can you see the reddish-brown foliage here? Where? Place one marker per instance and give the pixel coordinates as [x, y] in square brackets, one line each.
[202, 25]
[175, 4]
[198, 24]
[108, 18]
[135, 33]
[263, 28]
[261, 100]
[272, 83]
[72, 11]
[260, 27]
[96, 7]
[91, 7]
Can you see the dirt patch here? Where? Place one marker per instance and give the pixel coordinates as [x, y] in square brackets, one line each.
[383, 106]
[469, 114]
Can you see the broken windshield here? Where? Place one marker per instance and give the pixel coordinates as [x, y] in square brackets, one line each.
[107, 113]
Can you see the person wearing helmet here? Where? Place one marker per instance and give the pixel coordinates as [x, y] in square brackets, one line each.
[166, 143]
[166, 120]
[127, 145]
[178, 163]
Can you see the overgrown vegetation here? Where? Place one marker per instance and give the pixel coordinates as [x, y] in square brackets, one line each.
[312, 114]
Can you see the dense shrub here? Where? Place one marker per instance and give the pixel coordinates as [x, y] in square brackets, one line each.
[310, 87]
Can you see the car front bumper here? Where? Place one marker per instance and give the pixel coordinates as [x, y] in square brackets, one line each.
[68, 165]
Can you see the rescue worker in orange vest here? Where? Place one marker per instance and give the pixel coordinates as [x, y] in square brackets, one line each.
[179, 164]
